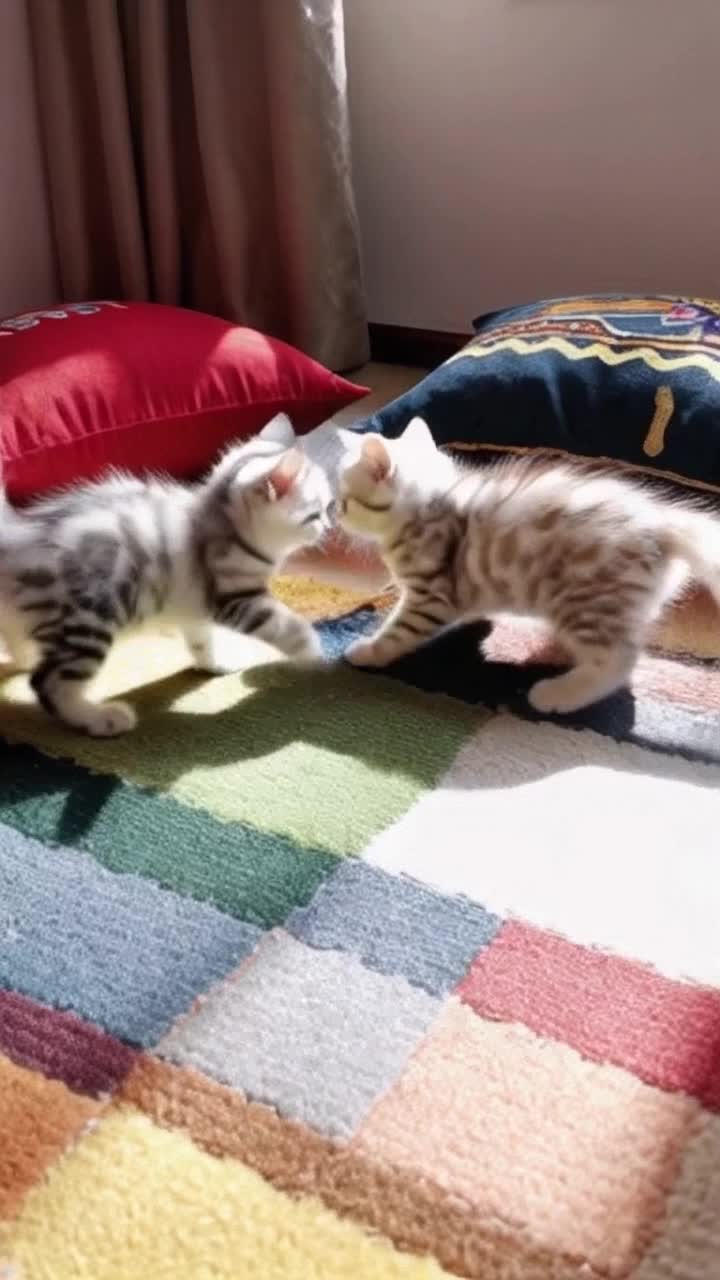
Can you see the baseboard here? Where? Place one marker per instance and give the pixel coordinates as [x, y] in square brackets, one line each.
[396, 344]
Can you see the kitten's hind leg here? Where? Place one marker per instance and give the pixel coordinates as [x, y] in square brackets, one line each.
[599, 671]
[71, 656]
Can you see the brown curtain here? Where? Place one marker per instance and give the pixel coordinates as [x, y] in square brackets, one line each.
[197, 153]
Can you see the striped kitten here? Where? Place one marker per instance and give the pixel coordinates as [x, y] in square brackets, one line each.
[80, 567]
[595, 555]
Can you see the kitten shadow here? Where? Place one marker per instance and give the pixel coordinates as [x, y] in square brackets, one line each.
[339, 710]
[498, 686]
[29, 786]
[455, 664]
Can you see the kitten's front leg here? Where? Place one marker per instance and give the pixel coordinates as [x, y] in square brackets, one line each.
[259, 614]
[413, 622]
[217, 650]
[289, 633]
[294, 636]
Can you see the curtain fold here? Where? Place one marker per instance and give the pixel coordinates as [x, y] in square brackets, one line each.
[198, 153]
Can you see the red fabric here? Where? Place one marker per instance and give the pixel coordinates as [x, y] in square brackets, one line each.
[608, 1008]
[143, 387]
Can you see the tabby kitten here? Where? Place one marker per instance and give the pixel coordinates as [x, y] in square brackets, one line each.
[595, 555]
[80, 567]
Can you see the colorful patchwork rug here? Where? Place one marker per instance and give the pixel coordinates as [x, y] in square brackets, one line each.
[348, 976]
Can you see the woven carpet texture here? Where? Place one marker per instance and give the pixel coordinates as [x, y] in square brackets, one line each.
[353, 976]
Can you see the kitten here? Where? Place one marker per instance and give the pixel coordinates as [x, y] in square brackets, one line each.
[595, 555]
[81, 566]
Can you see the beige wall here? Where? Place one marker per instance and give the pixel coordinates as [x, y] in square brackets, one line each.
[27, 272]
[511, 149]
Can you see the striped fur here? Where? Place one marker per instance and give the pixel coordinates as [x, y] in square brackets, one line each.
[80, 567]
[594, 555]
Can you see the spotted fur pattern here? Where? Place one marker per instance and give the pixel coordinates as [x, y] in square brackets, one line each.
[593, 554]
[79, 568]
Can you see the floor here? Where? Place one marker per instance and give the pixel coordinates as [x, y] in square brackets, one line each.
[387, 381]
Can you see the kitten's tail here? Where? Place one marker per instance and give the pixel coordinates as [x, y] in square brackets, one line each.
[695, 538]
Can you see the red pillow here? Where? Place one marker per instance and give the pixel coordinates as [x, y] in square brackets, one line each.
[145, 387]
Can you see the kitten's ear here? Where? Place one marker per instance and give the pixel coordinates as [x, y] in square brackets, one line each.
[418, 437]
[284, 475]
[376, 456]
[279, 430]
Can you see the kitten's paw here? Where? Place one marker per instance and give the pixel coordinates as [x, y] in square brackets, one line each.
[218, 668]
[364, 653]
[108, 719]
[560, 695]
[311, 655]
[212, 662]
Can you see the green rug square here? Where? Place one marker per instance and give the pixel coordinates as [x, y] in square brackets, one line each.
[328, 758]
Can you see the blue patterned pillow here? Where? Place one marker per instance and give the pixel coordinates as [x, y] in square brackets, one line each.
[635, 380]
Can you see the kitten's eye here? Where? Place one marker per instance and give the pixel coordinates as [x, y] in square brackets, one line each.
[314, 515]
[331, 509]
